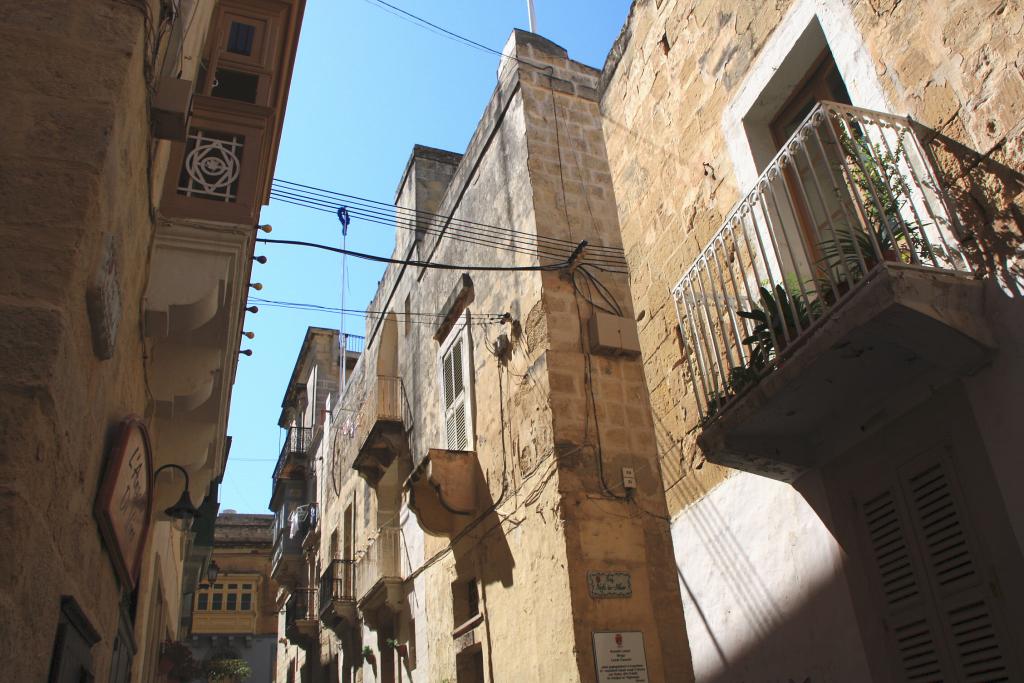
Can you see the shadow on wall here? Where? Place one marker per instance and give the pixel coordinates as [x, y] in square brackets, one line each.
[989, 197]
[786, 654]
[742, 577]
[756, 611]
[484, 548]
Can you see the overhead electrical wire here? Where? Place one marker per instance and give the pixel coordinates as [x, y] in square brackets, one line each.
[351, 200]
[411, 316]
[434, 224]
[599, 263]
[416, 262]
[434, 28]
[382, 217]
[371, 217]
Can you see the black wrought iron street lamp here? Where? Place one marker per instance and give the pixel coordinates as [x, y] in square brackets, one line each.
[212, 572]
[183, 509]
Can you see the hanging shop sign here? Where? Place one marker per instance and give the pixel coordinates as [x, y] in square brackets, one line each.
[123, 503]
[619, 657]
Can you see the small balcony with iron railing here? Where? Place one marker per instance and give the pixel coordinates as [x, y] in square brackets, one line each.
[294, 454]
[292, 464]
[352, 347]
[380, 427]
[835, 289]
[378, 576]
[337, 594]
[288, 563]
[300, 619]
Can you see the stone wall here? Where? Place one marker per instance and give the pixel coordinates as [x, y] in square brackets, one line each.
[667, 89]
[78, 182]
[534, 165]
[76, 150]
[602, 420]
[683, 93]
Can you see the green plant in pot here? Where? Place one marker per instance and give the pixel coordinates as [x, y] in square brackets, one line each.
[779, 314]
[177, 662]
[227, 670]
[716, 400]
[886, 233]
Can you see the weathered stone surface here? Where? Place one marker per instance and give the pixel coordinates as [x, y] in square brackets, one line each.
[75, 168]
[554, 425]
[747, 550]
[953, 66]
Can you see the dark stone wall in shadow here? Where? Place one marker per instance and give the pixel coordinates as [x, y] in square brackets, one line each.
[988, 196]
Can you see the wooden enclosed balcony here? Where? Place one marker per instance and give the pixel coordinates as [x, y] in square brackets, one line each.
[300, 623]
[837, 291]
[380, 427]
[337, 595]
[378, 576]
[221, 172]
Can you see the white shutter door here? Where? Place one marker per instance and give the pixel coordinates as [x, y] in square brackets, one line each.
[947, 543]
[913, 632]
[457, 434]
[939, 615]
[447, 396]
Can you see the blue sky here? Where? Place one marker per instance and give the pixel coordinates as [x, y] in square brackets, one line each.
[367, 87]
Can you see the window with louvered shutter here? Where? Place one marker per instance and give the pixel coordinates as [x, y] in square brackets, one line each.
[456, 381]
[940, 616]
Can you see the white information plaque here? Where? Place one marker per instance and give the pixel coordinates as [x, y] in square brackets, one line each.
[619, 657]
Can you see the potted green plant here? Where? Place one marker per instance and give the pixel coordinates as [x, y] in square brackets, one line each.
[886, 233]
[368, 654]
[778, 313]
[227, 670]
[781, 314]
[177, 663]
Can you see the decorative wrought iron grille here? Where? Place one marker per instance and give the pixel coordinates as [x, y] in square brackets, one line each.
[212, 165]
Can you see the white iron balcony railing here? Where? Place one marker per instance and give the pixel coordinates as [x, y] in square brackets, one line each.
[851, 190]
[382, 559]
[354, 343]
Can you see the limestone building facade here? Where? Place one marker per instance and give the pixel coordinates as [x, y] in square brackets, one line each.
[829, 308]
[489, 501]
[139, 139]
[234, 610]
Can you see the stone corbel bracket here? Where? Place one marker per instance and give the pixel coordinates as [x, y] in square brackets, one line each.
[443, 490]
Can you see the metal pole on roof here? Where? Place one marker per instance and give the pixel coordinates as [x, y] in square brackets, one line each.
[533, 16]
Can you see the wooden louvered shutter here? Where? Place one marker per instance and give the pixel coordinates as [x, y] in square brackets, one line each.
[957, 576]
[914, 634]
[455, 393]
[940, 618]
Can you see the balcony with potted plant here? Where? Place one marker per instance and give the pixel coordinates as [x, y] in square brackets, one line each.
[836, 288]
